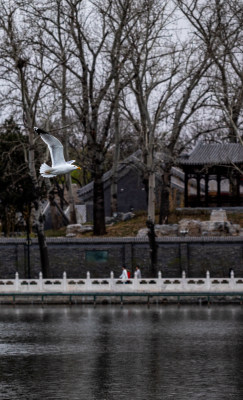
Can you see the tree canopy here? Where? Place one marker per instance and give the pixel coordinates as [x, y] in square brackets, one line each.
[16, 189]
[161, 73]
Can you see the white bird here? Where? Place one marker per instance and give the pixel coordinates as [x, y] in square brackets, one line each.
[59, 165]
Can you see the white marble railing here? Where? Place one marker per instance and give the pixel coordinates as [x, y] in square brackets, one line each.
[117, 286]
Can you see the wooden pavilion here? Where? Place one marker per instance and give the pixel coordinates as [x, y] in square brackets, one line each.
[216, 169]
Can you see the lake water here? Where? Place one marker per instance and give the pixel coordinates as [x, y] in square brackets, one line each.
[113, 353]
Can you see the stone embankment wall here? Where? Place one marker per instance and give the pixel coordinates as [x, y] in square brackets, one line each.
[194, 255]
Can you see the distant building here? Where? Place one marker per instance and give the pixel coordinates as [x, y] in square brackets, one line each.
[218, 169]
[131, 189]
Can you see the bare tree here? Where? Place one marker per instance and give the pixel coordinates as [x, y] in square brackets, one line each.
[218, 27]
[146, 57]
[92, 59]
[23, 86]
[167, 94]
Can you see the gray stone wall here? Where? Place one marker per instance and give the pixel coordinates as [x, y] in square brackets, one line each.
[193, 255]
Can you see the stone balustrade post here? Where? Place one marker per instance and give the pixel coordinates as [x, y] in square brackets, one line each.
[208, 280]
[159, 280]
[112, 280]
[232, 280]
[16, 281]
[135, 281]
[183, 280]
[88, 281]
[64, 281]
[40, 282]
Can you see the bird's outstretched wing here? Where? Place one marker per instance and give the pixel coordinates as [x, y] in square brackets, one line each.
[54, 145]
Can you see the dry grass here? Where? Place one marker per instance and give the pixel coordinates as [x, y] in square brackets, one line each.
[123, 229]
[130, 228]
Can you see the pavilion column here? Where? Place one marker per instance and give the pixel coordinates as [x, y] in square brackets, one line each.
[198, 189]
[218, 190]
[234, 189]
[206, 189]
[186, 190]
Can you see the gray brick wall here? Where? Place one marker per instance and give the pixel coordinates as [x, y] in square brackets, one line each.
[193, 255]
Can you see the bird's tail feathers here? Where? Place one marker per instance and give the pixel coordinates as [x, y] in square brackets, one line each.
[45, 171]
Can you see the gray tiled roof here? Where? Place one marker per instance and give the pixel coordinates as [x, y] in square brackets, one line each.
[212, 154]
[133, 161]
[123, 168]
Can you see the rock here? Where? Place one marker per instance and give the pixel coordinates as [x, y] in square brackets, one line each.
[190, 227]
[110, 220]
[76, 229]
[142, 232]
[212, 228]
[218, 216]
[73, 228]
[119, 217]
[235, 229]
[127, 216]
[218, 225]
[166, 230]
[217, 228]
[87, 228]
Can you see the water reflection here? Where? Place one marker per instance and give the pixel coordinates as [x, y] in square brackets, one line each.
[117, 353]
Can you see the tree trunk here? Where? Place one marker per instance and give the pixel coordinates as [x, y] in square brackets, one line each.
[114, 202]
[151, 198]
[165, 195]
[72, 212]
[114, 186]
[55, 221]
[39, 227]
[98, 191]
[58, 217]
[116, 154]
[68, 179]
[153, 248]
[38, 214]
[98, 206]
[146, 187]
[151, 209]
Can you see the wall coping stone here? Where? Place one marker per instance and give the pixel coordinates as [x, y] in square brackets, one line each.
[168, 239]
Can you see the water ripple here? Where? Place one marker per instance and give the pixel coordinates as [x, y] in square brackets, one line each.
[113, 353]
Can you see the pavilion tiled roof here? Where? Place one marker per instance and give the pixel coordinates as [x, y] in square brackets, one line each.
[213, 154]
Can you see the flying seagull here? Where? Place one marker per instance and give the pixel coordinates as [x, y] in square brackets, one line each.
[59, 165]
